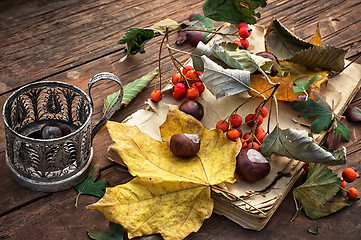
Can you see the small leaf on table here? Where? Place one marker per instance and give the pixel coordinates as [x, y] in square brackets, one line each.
[313, 231]
[130, 91]
[353, 114]
[115, 233]
[163, 24]
[136, 38]
[89, 186]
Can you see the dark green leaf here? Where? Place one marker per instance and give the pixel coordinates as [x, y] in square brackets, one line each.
[302, 84]
[320, 187]
[286, 46]
[135, 38]
[207, 23]
[321, 110]
[282, 42]
[233, 11]
[115, 233]
[130, 91]
[297, 145]
[89, 186]
[313, 231]
[337, 132]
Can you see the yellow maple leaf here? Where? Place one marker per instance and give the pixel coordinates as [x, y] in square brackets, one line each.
[285, 91]
[169, 195]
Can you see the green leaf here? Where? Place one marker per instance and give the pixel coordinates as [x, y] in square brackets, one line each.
[224, 82]
[321, 186]
[207, 23]
[233, 11]
[136, 38]
[302, 84]
[335, 204]
[163, 24]
[286, 46]
[313, 231]
[337, 132]
[89, 186]
[130, 91]
[282, 42]
[296, 145]
[115, 233]
[320, 109]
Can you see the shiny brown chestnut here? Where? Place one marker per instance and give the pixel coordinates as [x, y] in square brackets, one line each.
[185, 145]
[251, 165]
[193, 107]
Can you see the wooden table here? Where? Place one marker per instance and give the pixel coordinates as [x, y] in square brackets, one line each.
[72, 40]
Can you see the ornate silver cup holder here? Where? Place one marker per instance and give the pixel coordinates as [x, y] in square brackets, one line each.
[56, 164]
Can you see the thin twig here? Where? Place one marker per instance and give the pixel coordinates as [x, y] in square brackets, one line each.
[159, 67]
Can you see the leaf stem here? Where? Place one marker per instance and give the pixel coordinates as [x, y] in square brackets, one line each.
[159, 57]
[237, 198]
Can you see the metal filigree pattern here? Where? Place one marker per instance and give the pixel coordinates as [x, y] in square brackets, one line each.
[31, 108]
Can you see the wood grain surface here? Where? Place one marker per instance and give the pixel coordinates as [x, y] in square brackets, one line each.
[72, 40]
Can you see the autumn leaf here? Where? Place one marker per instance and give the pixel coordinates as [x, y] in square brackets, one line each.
[316, 39]
[89, 186]
[318, 194]
[337, 132]
[115, 233]
[296, 145]
[302, 84]
[286, 46]
[130, 91]
[136, 38]
[353, 114]
[169, 195]
[162, 25]
[233, 11]
[285, 92]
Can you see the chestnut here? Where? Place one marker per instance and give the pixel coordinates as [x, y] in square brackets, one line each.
[185, 145]
[193, 107]
[272, 57]
[252, 165]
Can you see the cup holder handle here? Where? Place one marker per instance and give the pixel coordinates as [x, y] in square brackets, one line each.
[113, 108]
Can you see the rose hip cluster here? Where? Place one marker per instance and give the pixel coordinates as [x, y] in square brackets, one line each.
[243, 32]
[252, 139]
[187, 85]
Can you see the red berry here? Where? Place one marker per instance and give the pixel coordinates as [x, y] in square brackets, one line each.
[199, 73]
[200, 86]
[156, 96]
[248, 137]
[243, 43]
[305, 167]
[352, 193]
[349, 175]
[253, 145]
[180, 89]
[187, 68]
[232, 134]
[242, 24]
[236, 120]
[238, 42]
[244, 32]
[264, 111]
[244, 143]
[258, 130]
[343, 184]
[176, 78]
[192, 92]
[251, 119]
[222, 125]
[176, 96]
[261, 136]
[191, 74]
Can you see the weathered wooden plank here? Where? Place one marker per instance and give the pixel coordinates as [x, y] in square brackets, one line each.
[40, 40]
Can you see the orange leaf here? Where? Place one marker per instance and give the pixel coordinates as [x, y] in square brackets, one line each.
[316, 39]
